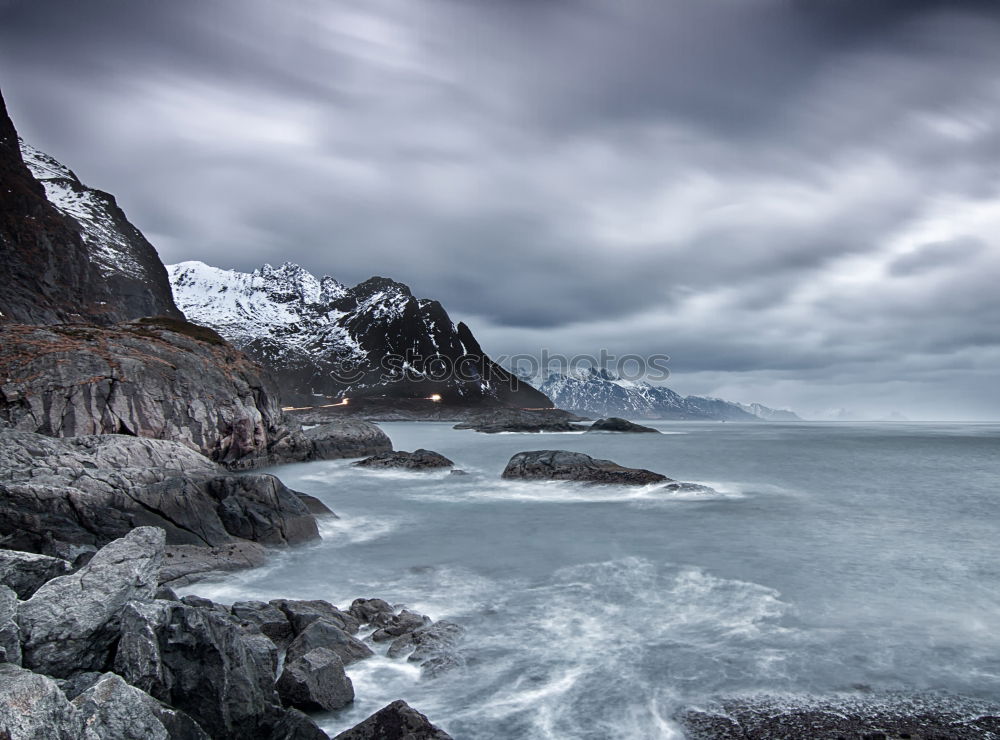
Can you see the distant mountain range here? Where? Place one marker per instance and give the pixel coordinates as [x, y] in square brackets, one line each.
[600, 392]
[323, 339]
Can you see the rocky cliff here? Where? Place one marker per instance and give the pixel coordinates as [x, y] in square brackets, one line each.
[67, 252]
[162, 379]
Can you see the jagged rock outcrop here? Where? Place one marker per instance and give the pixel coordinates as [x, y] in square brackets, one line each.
[25, 572]
[315, 681]
[200, 662]
[326, 634]
[320, 337]
[10, 632]
[71, 622]
[113, 710]
[417, 460]
[614, 424]
[59, 497]
[432, 647]
[67, 252]
[33, 708]
[395, 721]
[576, 466]
[301, 613]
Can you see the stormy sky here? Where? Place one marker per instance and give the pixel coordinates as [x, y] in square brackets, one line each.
[797, 200]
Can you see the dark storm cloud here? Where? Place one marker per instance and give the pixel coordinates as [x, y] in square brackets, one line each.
[795, 199]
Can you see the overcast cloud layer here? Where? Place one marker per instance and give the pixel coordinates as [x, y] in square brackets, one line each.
[797, 201]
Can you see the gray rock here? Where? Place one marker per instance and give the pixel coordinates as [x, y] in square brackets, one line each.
[152, 378]
[615, 424]
[348, 438]
[316, 681]
[76, 684]
[10, 633]
[113, 710]
[397, 721]
[201, 663]
[867, 717]
[324, 633]
[67, 497]
[575, 466]
[25, 572]
[494, 421]
[316, 507]
[395, 625]
[417, 460]
[265, 618]
[365, 610]
[432, 647]
[295, 725]
[187, 564]
[301, 613]
[71, 622]
[33, 708]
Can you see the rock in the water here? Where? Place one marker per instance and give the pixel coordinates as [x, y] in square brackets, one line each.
[201, 663]
[266, 618]
[615, 424]
[348, 438]
[432, 647]
[296, 725]
[324, 633]
[33, 708]
[865, 717]
[25, 572]
[395, 625]
[315, 506]
[398, 721]
[416, 460]
[71, 622]
[576, 466]
[10, 633]
[366, 610]
[261, 509]
[522, 421]
[301, 613]
[113, 710]
[316, 680]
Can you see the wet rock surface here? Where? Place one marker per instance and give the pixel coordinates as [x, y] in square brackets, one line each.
[416, 460]
[326, 634]
[315, 681]
[575, 466]
[615, 424]
[397, 721]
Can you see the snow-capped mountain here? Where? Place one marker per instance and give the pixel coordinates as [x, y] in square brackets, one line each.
[593, 391]
[769, 414]
[67, 252]
[322, 338]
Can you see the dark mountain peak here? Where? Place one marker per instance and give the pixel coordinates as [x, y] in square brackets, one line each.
[376, 284]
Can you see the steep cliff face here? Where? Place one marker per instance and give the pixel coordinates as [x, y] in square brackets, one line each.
[162, 379]
[67, 252]
[320, 338]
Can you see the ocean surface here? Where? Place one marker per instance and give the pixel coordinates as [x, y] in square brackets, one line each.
[834, 557]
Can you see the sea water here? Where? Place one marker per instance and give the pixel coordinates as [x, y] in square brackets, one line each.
[832, 557]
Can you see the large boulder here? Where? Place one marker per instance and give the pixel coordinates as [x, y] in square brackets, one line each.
[367, 610]
[25, 572]
[315, 681]
[301, 613]
[33, 708]
[416, 460]
[348, 438]
[71, 623]
[871, 716]
[113, 710]
[615, 424]
[68, 496]
[397, 721]
[391, 626]
[575, 466]
[10, 633]
[266, 618]
[201, 663]
[326, 634]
